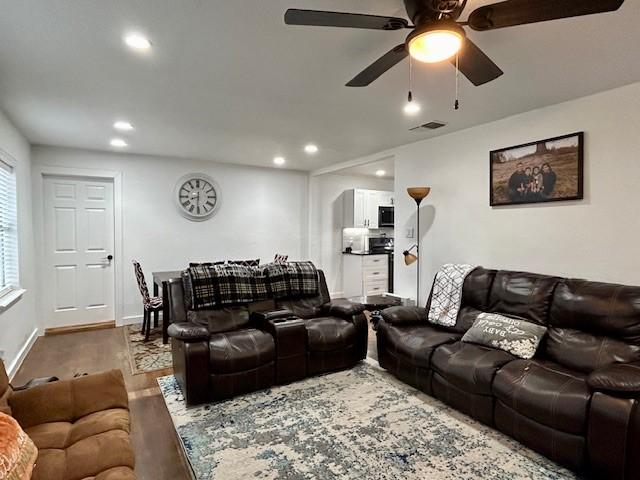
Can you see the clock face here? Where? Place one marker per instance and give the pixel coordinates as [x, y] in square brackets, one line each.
[197, 196]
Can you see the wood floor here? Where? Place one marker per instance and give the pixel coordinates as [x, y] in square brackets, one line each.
[156, 447]
[158, 454]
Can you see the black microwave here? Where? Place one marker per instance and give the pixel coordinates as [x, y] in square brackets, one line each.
[385, 217]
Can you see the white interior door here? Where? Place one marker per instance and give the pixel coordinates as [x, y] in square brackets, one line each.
[79, 238]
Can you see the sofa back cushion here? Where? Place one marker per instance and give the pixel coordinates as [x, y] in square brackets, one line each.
[308, 307]
[594, 324]
[585, 352]
[476, 288]
[221, 319]
[5, 390]
[524, 295]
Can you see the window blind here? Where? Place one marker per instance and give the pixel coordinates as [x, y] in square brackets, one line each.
[8, 230]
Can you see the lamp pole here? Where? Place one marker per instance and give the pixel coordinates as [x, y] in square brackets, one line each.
[418, 201]
[418, 194]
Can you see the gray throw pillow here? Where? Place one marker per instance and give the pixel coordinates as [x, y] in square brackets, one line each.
[513, 335]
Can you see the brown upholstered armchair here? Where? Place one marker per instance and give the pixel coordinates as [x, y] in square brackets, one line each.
[80, 426]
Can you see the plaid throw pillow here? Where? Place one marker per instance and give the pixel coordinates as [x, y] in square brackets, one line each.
[276, 277]
[291, 280]
[280, 258]
[246, 263]
[205, 264]
[221, 285]
[303, 279]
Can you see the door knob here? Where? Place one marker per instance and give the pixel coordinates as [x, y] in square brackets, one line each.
[109, 257]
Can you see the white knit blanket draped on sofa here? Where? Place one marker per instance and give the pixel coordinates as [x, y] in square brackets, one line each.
[447, 293]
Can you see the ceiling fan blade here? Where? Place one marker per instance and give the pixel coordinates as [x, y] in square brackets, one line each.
[475, 65]
[520, 12]
[377, 68]
[319, 18]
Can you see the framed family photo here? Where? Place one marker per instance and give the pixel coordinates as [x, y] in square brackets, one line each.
[548, 170]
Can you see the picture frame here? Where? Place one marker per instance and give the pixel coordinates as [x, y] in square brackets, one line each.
[517, 175]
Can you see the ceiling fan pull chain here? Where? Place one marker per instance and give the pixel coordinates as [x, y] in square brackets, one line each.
[456, 105]
[410, 96]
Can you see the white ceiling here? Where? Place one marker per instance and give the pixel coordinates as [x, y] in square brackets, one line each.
[228, 81]
[369, 169]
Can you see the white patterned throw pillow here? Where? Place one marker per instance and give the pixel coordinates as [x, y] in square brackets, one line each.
[513, 335]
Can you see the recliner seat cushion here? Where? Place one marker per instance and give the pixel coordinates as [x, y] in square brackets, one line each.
[63, 434]
[240, 350]
[469, 367]
[86, 458]
[330, 333]
[415, 344]
[546, 392]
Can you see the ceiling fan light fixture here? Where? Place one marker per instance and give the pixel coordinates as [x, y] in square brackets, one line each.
[436, 42]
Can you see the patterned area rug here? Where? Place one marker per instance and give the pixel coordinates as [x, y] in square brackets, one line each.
[147, 356]
[357, 424]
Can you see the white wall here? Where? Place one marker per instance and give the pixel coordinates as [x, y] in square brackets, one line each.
[263, 212]
[18, 325]
[325, 224]
[596, 238]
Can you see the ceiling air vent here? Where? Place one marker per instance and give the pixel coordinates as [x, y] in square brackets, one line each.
[434, 125]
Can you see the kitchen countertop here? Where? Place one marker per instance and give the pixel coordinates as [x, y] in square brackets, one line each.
[366, 253]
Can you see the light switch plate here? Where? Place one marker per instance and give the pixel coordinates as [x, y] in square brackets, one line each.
[409, 232]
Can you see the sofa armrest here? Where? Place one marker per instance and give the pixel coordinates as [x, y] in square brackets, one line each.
[405, 315]
[69, 400]
[34, 382]
[261, 318]
[620, 378]
[188, 331]
[343, 309]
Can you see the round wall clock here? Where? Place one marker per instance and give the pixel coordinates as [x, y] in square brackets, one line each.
[197, 196]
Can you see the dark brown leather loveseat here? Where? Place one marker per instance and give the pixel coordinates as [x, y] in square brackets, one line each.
[577, 401]
[223, 352]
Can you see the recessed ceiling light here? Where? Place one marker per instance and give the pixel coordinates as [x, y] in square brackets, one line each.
[380, 173]
[411, 108]
[311, 148]
[279, 160]
[137, 41]
[118, 143]
[123, 126]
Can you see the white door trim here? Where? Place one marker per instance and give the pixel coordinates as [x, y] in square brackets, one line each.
[43, 171]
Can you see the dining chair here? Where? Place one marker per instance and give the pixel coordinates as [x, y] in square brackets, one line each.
[151, 304]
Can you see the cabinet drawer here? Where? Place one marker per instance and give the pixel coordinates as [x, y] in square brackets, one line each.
[375, 275]
[376, 287]
[374, 260]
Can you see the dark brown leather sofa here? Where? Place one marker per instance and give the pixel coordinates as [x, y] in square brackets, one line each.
[220, 353]
[577, 401]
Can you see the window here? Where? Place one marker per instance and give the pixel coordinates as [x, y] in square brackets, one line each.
[8, 230]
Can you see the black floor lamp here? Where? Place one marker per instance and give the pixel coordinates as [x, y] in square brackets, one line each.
[418, 194]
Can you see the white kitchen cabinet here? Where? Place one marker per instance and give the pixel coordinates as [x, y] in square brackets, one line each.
[361, 207]
[365, 275]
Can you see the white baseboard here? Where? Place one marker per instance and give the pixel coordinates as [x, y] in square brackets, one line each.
[335, 295]
[131, 319]
[15, 365]
[134, 319]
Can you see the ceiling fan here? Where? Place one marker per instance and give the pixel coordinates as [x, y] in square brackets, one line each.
[437, 35]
